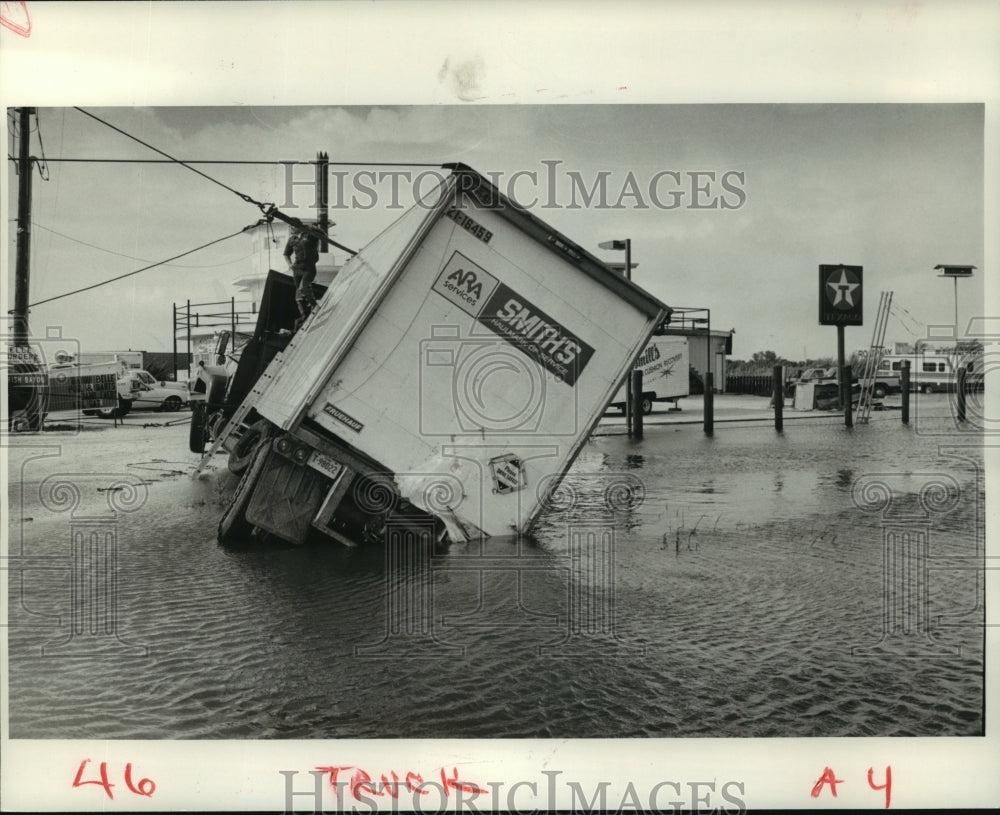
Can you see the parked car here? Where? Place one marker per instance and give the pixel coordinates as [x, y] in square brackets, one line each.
[140, 390]
[886, 381]
[152, 394]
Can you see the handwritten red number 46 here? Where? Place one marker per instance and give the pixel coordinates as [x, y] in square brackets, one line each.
[145, 787]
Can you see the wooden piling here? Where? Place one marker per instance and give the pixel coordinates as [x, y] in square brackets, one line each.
[709, 404]
[778, 389]
[904, 381]
[636, 384]
[845, 395]
[960, 393]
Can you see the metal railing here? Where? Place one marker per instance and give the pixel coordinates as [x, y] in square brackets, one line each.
[221, 314]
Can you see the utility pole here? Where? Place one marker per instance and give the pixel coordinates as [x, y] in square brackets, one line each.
[323, 197]
[23, 263]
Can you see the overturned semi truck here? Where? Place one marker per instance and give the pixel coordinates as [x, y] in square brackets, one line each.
[446, 380]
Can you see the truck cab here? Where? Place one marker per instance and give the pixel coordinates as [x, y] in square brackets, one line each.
[217, 390]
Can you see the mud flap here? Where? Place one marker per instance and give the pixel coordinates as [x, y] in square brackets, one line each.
[287, 498]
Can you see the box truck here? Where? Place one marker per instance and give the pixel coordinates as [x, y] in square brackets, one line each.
[447, 379]
[664, 364]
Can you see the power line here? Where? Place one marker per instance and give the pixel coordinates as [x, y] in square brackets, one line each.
[143, 269]
[248, 162]
[43, 166]
[269, 210]
[122, 255]
[242, 195]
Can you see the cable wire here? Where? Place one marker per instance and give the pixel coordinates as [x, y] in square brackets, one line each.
[265, 162]
[243, 196]
[143, 269]
[43, 165]
[270, 210]
[130, 257]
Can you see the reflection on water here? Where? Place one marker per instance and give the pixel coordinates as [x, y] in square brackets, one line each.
[728, 587]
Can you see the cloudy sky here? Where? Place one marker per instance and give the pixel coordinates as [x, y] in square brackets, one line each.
[729, 207]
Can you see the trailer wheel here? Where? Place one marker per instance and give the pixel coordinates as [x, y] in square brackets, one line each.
[233, 525]
[198, 434]
[647, 405]
[246, 446]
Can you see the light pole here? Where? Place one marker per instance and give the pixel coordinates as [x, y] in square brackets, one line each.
[955, 272]
[618, 246]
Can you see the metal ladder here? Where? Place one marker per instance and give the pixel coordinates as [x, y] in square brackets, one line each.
[874, 358]
[236, 420]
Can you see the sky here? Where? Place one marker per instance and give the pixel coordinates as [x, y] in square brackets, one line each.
[730, 207]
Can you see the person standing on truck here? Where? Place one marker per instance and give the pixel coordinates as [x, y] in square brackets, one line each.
[302, 254]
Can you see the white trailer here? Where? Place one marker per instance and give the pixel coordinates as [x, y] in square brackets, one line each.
[665, 376]
[934, 371]
[451, 374]
[75, 389]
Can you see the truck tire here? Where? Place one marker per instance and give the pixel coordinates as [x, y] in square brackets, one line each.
[880, 391]
[233, 525]
[647, 405]
[198, 434]
[124, 406]
[927, 388]
[242, 454]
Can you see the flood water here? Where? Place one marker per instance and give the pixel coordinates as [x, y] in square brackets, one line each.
[681, 586]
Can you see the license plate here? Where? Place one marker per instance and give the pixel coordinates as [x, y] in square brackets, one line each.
[325, 464]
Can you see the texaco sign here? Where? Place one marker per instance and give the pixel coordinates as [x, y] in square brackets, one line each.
[840, 289]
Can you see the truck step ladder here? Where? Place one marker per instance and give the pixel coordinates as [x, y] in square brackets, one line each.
[236, 420]
[874, 358]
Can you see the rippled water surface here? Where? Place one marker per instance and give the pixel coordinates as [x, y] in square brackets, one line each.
[683, 586]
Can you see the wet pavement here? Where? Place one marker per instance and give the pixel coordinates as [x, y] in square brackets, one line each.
[747, 583]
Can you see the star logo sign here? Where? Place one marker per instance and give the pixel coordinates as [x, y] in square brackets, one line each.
[841, 291]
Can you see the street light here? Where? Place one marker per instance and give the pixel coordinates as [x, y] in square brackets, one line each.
[618, 246]
[955, 272]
